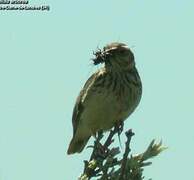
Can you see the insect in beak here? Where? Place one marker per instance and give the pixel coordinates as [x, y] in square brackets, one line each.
[100, 56]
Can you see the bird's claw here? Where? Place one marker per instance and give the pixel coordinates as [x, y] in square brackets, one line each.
[119, 127]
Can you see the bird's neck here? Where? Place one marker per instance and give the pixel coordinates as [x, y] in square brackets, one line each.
[118, 69]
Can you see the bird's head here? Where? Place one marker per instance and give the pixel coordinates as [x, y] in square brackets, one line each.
[115, 55]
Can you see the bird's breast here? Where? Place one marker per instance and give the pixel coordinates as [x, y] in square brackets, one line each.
[113, 101]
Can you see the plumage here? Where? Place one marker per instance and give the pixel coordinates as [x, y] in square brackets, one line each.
[110, 95]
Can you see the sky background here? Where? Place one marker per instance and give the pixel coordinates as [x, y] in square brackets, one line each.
[45, 58]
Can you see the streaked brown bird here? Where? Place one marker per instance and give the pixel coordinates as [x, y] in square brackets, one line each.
[108, 97]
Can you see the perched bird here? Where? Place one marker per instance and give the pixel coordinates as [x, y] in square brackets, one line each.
[108, 97]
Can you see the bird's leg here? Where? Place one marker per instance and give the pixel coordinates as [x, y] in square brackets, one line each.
[119, 128]
[100, 135]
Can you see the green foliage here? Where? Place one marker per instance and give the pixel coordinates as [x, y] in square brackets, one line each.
[104, 163]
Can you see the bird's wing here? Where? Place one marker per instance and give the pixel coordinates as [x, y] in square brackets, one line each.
[78, 108]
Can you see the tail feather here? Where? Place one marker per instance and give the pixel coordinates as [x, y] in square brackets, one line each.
[76, 146]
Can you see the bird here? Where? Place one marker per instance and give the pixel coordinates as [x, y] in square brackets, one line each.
[109, 96]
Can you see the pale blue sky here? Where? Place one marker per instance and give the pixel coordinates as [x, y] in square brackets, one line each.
[45, 60]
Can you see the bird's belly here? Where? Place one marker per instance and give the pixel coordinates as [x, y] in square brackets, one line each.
[101, 113]
[103, 110]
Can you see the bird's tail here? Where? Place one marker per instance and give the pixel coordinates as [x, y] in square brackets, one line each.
[77, 145]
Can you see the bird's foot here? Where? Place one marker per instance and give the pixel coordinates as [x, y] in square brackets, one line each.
[119, 127]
